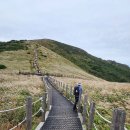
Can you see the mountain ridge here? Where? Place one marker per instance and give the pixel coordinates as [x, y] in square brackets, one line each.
[107, 70]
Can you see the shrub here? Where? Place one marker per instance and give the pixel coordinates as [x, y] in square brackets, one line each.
[13, 46]
[2, 66]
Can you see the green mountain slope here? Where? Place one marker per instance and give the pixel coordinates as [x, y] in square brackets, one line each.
[18, 56]
[107, 70]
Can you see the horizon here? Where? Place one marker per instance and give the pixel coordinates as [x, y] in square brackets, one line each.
[101, 28]
[66, 44]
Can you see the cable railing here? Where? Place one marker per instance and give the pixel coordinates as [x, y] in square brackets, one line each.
[28, 107]
[19, 107]
[89, 109]
[8, 110]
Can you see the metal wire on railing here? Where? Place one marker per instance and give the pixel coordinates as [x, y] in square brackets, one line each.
[56, 83]
[37, 100]
[40, 109]
[103, 117]
[8, 110]
[2, 111]
[18, 124]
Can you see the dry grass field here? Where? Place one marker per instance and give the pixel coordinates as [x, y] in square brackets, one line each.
[14, 89]
[12, 86]
[106, 95]
[16, 61]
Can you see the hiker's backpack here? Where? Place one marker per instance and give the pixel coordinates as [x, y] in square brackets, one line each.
[76, 91]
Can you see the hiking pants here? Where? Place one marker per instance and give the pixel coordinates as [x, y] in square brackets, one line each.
[76, 102]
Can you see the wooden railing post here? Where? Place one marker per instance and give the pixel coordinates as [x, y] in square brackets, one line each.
[29, 113]
[60, 87]
[91, 116]
[44, 107]
[66, 90]
[58, 84]
[49, 97]
[63, 87]
[118, 119]
[85, 109]
[71, 93]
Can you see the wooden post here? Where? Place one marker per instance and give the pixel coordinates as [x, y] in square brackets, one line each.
[56, 84]
[60, 87]
[44, 107]
[71, 93]
[48, 96]
[118, 119]
[85, 109]
[66, 90]
[91, 116]
[63, 87]
[60, 84]
[29, 113]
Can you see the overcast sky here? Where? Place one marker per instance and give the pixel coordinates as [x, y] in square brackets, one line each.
[101, 27]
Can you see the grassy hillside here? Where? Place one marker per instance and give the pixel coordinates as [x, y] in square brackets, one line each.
[18, 56]
[15, 56]
[53, 63]
[57, 58]
[107, 70]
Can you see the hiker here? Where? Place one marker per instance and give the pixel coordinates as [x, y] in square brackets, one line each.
[77, 94]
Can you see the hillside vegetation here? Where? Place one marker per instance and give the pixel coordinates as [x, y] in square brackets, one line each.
[57, 58]
[52, 63]
[107, 70]
[18, 56]
[13, 45]
[107, 96]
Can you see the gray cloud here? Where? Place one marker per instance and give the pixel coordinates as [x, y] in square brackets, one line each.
[101, 27]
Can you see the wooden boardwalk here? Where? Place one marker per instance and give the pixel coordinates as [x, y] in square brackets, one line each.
[61, 116]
